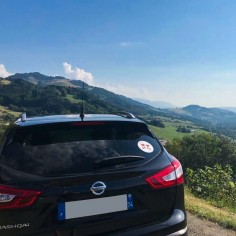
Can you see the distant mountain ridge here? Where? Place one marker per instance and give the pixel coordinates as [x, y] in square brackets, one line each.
[211, 114]
[37, 93]
[44, 80]
[233, 109]
[157, 104]
[34, 77]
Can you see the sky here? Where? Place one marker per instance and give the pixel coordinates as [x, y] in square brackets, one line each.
[178, 51]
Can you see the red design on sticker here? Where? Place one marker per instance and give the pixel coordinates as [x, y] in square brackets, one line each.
[145, 146]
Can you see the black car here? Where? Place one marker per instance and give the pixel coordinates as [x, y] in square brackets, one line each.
[99, 175]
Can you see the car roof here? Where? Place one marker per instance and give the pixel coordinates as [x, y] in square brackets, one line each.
[73, 118]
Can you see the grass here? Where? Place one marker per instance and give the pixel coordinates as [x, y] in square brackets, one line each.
[5, 82]
[203, 209]
[169, 132]
[65, 83]
[7, 111]
[72, 99]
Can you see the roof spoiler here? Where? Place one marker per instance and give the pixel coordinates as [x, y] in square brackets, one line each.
[23, 117]
[125, 114]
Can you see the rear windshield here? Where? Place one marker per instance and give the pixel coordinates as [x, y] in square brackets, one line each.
[69, 148]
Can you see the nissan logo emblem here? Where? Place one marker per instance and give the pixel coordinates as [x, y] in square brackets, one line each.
[98, 188]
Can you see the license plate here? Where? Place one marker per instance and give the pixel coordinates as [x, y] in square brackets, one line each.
[90, 207]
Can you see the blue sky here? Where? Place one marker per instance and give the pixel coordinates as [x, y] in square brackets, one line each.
[179, 51]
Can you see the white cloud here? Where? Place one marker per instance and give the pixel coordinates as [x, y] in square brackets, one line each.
[126, 44]
[78, 74]
[3, 72]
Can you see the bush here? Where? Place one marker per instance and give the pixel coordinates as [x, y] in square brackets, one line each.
[183, 129]
[214, 184]
[157, 123]
[200, 150]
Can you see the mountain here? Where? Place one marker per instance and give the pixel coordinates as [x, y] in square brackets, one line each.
[99, 99]
[39, 94]
[44, 80]
[213, 119]
[34, 77]
[157, 104]
[233, 109]
[213, 115]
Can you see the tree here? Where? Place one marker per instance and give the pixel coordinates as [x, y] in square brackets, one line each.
[183, 129]
[157, 123]
[200, 150]
[214, 184]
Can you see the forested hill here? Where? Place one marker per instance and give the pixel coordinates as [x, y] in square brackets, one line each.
[39, 95]
[45, 80]
[211, 114]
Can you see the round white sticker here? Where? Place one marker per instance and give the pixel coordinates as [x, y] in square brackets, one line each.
[145, 146]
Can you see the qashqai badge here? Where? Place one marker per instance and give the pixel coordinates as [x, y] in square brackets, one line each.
[98, 188]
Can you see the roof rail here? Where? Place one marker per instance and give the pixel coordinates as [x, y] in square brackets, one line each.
[23, 117]
[125, 114]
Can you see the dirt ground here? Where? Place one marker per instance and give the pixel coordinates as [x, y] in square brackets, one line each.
[200, 227]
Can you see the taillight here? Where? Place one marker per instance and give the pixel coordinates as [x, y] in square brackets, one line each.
[170, 176]
[11, 198]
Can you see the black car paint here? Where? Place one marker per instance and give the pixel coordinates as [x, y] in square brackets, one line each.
[156, 212]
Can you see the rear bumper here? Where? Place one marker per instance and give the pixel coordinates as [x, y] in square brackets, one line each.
[174, 226]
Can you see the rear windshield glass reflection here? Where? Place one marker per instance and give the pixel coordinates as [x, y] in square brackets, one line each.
[59, 149]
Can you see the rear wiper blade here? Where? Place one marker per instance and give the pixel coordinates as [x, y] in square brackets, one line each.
[117, 160]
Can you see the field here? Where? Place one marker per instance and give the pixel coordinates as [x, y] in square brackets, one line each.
[5, 82]
[5, 117]
[72, 98]
[169, 132]
[4, 110]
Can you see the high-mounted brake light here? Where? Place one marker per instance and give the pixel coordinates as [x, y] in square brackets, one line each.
[168, 177]
[84, 123]
[11, 198]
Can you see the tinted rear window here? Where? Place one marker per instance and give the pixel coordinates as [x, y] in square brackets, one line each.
[68, 148]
